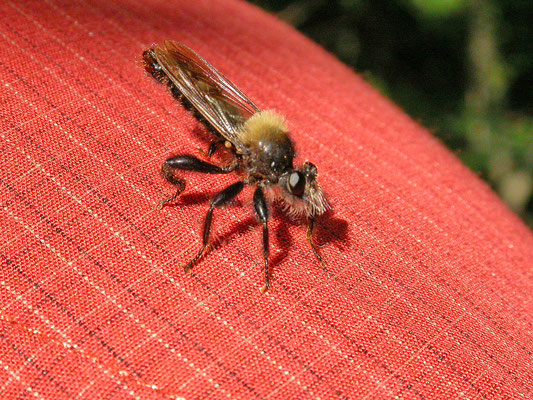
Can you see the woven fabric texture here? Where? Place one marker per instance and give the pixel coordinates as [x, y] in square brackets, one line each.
[427, 293]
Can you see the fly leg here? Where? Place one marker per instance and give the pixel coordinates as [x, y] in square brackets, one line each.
[187, 163]
[310, 230]
[220, 199]
[261, 209]
[213, 147]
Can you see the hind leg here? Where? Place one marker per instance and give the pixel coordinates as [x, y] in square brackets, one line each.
[180, 183]
[187, 163]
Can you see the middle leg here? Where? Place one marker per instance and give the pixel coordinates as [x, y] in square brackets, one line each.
[213, 147]
[261, 209]
[220, 199]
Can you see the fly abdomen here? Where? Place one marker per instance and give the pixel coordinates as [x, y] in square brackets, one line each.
[152, 66]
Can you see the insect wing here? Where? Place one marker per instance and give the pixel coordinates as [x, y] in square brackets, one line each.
[218, 100]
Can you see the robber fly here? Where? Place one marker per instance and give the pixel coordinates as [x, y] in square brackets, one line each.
[258, 142]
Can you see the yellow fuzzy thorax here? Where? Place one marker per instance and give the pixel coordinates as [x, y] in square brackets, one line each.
[263, 125]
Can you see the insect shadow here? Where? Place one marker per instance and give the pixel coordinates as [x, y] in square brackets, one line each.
[329, 229]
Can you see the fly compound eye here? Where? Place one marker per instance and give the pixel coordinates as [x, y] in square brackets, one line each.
[296, 183]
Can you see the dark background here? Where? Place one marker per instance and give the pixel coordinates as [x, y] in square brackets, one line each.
[464, 69]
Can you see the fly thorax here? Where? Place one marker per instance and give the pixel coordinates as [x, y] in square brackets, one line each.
[266, 135]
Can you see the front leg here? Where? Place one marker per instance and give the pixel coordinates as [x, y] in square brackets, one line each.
[310, 230]
[187, 163]
[261, 209]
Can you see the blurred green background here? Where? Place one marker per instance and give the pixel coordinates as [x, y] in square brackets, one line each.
[464, 69]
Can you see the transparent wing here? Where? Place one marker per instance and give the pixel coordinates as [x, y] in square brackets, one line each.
[219, 101]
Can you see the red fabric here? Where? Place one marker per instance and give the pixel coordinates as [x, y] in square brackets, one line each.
[428, 289]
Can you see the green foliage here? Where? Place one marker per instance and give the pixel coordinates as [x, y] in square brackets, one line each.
[462, 68]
